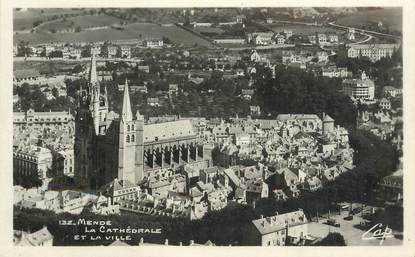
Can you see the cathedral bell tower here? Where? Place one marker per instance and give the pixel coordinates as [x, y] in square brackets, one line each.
[130, 149]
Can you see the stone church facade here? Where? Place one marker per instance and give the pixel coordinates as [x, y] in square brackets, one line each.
[109, 146]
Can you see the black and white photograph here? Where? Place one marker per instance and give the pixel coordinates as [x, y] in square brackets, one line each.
[190, 126]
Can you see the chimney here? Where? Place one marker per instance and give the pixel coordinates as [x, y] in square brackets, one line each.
[192, 242]
[180, 244]
[166, 242]
[262, 216]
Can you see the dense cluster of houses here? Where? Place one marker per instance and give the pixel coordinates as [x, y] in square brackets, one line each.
[79, 50]
[69, 201]
[43, 141]
[294, 152]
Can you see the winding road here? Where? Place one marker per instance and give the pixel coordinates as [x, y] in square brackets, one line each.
[363, 31]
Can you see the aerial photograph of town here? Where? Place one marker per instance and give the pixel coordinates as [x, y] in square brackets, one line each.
[208, 126]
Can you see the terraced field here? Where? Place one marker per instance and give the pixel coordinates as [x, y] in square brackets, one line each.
[302, 29]
[392, 17]
[23, 20]
[83, 21]
[139, 31]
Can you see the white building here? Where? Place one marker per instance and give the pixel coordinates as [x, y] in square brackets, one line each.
[363, 88]
[278, 230]
[373, 51]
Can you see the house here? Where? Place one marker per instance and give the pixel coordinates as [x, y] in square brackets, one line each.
[321, 39]
[350, 36]
[374, 52]
[312, 39]
[242, 139]
[102, 206]
[153, 43]
[278, 230]
[240, 18]
[335, 72]
[255, 190]
[247, 93]
[124, 52]
[285, 179]
[153, 101]
[333, 38]
[312, 184]
[255, 110]
[209, 175]
[390, 188]
[279, 195]
[260, 38]
[280, 39]
[392, 91]
[322, 56]
[47, 49]
[73, 201]
[41, 237]
[239, 72]
[51, 200]
[93, 50]
[119, 190]
[363, 88]
[173, 88]
[160, 186]
[144, 68]
[288, 33]
[109, 51]
[255, 57]
[385, 104]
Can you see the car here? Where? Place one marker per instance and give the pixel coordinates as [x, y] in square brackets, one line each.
[333, 222]
[355, 211]
[350, 217]
[345, 206]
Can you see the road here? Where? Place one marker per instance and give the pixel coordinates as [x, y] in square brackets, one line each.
[86, 59]
[363, 31]
[351, 233]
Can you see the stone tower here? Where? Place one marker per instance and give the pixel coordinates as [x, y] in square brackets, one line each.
[130, 147]
[328, 124]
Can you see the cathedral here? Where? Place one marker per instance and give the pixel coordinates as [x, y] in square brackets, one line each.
[110, 146]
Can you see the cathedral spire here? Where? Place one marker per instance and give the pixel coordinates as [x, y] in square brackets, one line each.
[93, 78]
[126, 115]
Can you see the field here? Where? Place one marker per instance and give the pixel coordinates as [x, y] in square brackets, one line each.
[140, 31]
[80, 21]
[391, 17]
[23, 20]
[46, 67]
[302, 29]
[212, 30]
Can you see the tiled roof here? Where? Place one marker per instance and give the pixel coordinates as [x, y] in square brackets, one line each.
[283, 117]
[168, 131]
[278, 222]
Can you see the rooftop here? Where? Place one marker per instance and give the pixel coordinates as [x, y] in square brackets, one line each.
[168, 131]
[280, 221]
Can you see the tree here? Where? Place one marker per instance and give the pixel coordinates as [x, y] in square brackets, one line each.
[332, 239]
[55, 92]
[77, 68]
[36, 23]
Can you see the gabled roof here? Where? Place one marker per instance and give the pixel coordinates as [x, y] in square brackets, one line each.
[168, 130]
[278, 222]
[116, 185]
